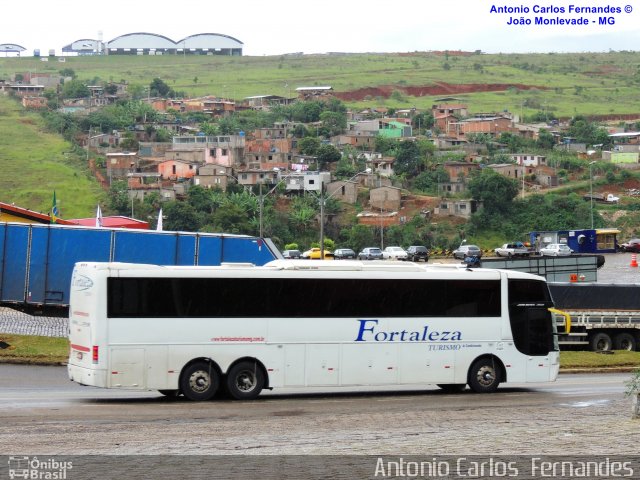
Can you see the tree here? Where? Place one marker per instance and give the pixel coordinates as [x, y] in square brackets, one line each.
[333, 122]
[545, 139]
[384, 145]
[494, 190]
[119, 197]
[309, 145]
[232, 218]
[408, 160]
[422, 121]
[158, 88]
[588, 132]
[129, 143]
[181, 216]
[327, 154]
[75, 89]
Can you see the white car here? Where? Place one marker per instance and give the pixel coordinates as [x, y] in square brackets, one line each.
[394, 253]
[512, 250]
[556, 250]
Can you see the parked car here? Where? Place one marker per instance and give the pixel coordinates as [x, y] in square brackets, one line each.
[556, 250]
[314, 254]
[394, 253]
[370, 253]
[292, 254]
[632, 245]
[343, 253]
[415, 253]
[517, 249]
[467, 251]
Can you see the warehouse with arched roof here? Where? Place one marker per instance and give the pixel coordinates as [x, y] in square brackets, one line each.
[211, 43]
[8, 48]
[143, 43]
[140, 43]
[84, 46]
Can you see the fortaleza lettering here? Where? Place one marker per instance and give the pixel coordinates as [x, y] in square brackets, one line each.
[369, 332]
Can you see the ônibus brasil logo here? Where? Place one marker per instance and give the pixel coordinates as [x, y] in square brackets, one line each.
[370, 332]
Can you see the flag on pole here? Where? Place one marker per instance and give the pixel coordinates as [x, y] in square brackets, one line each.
[159, 225]
[99, 217]
[54, 209]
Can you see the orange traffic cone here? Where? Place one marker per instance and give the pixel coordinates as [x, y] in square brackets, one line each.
[634, 260]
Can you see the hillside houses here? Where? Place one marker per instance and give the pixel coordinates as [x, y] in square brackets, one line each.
[270, 155]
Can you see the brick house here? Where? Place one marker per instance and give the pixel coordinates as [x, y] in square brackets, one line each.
[458, 170]
[385, 198]
[121, 163]
[457, 208]
[343, 190]
[176, 169]
[528, 160]
[490, 125]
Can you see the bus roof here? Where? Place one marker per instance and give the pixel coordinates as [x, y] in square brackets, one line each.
[300, 267]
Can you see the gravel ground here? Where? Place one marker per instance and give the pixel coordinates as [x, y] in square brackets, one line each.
[12, 321]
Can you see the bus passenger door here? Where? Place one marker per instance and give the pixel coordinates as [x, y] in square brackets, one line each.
[126, 367]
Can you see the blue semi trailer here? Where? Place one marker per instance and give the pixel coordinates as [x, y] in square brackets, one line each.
[36, 261]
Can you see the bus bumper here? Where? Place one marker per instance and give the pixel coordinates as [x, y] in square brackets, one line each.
[87, 376]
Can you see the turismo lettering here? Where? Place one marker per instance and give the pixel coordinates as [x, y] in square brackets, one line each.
[368, 332]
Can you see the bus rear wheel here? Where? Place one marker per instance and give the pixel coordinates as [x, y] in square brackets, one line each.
[484, 376]
[245, 381]
[199, 381]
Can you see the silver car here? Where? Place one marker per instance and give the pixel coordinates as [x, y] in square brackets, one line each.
[467, 251]
[370, 253]
[556, 250]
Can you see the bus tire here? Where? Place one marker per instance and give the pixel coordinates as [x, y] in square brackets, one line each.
[199, 381]
[452, 387]
[484, 375]
[625, 341]
[245, 381]
[600, 342]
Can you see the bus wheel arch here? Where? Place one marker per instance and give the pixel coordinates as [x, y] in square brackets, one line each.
[200, 379]
[246, 378]
[486, 373]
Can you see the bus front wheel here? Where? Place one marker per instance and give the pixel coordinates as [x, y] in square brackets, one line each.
[199, 381]
[245, 381]
[484, 375]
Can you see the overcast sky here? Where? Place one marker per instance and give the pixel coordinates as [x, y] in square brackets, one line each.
[311, 26]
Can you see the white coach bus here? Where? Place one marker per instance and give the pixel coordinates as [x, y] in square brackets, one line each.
[239, 329]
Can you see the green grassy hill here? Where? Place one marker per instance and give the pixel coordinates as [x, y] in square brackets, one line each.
[35, 163]
[566, 84]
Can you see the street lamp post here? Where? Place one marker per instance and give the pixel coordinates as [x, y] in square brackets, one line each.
[591, 189]
[322, 199]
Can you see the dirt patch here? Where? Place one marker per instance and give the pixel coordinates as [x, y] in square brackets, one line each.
[438, 88]
[604, 70]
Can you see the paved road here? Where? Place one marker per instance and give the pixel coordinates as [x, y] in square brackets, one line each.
[42, 412]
